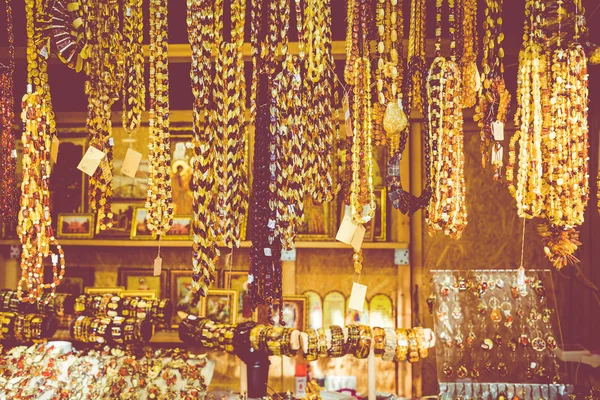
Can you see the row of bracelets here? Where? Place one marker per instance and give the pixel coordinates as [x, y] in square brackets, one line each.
[25, 328]
[58, 304]
[388, 343]
[111, 330]
[157, 311]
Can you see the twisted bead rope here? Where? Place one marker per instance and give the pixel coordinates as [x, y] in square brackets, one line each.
[134, 89]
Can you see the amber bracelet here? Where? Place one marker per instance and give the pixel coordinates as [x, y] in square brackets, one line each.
[337, 342]
[364, 342]
[421, 342]
[402, 344]
[322, 342]
[413, 347]
[311, 352]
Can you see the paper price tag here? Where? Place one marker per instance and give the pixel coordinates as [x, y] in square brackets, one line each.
[54, 149]
[106, 171]
[157, 265]
[357, 297]
[359, 236]
[90, 161]
[131, 163]
[498, 130]
[346, 231]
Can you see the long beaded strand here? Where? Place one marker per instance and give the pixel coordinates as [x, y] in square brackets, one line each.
[134, 89]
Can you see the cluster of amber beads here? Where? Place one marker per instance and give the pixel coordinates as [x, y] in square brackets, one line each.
[134, 89]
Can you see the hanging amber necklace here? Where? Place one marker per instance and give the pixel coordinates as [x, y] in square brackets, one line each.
[447, 208]
[471, 82]
[134, 89]
[9, 202]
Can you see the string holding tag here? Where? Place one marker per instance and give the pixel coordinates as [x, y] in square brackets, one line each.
[158, 261]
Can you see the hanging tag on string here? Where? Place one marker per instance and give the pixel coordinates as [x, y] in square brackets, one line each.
[346, 231]
[131, 163]
[54, 149]
[498, 130]
[90, 161]
[358, 237]
[357, 297]
[158, 261]
[347, 119]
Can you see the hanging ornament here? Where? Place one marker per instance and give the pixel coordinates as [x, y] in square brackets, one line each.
[67, 32]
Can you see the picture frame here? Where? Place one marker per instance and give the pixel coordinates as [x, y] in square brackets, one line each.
[75, 280]
[139, 227]
[181, 229]
[294, 312]
[238, 280]
[123, 212]
[218, 305]
[181, 294]
[143, 280]
[319, 221]
[182, 153]
[104, 290]
[145, 294]
[75, 226]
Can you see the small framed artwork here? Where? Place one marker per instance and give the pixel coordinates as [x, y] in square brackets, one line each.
[318, 221]
[294, 312]
[139, 227]
[143, 280]
[376, 228]
[238, 281]
[182, 296]
[122, 220]
[220, 306]
[181, 229]
[80, 226]
[144, 294]
[104, 290]
[75, 280]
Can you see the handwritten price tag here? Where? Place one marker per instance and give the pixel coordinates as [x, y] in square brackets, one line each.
[90, 161]
[131, 163]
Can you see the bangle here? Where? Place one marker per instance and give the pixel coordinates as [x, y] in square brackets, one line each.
[286, 342]
[322, 344]
[275, 340]
[364, 342]
[337, 342]
[351, 343]
[311, 351]
[378, 341]
[413, 347]
[116, 330]
[80, 304]
[402, 344]
[19, 326]
[421, 342]
[256, 335]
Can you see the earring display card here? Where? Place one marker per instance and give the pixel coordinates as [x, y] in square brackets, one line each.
[495, 326]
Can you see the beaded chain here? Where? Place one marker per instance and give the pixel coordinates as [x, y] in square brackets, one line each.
[492, 109]
[565, 151]
[34, 221]
[134, 89]
[37, 55]
[105, 76]
[447, 209]
[532, 83]
[9, 195]
[416, 48]
[471, 82]
[159, 202]
[390, 24]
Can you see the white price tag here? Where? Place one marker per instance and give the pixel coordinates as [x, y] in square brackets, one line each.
[346, 231]
[131, 163]
[90, 161]
[357, 297]
[359, 236]
[157, 265]
[498, 130]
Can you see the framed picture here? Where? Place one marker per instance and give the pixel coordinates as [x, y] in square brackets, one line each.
[125, 187]
[139, 227]
[294, 312]
[181, 173]
[74, 282]
[183, 298]
[220, 306]
[376, 228]
[104, 290]
[75, 226]
[122, 220]
[181, 229]
[145, 294]
[238, 281]
[318, 221]
[143, 279]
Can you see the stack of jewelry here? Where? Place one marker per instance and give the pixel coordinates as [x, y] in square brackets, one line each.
[447, 209]
[9, 200]
[159, 201]
[494, 99]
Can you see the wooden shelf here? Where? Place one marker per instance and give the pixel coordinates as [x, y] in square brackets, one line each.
[188, 244]
[160, 337]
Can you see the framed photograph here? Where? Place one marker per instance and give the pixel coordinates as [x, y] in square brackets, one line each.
[74, 282]
[294, 312]
[183, 298]
[125, 187]
[143, 280]
[79, 226]
[182, 152]
[104, 290]
[376, 228]
[139, 227]
[319, 221]
[181, 229]
[238, 281]
[220, 306]
[122, 220]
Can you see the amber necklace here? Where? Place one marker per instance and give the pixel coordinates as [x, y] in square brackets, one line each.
[134, 90]
[9, 205]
